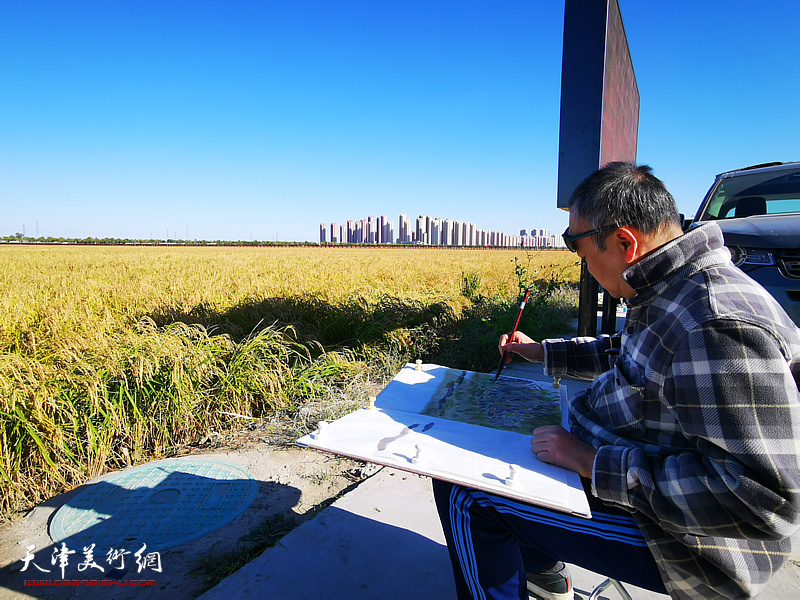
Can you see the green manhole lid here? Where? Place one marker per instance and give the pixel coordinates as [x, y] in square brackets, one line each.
[161, 504]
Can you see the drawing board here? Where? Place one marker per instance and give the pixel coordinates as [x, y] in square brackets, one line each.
[444, 423]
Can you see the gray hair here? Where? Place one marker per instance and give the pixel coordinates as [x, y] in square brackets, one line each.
[624, 193]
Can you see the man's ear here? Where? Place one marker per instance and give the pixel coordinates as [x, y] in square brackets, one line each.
[630, 243]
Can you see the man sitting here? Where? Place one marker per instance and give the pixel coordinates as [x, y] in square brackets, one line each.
[687, 439]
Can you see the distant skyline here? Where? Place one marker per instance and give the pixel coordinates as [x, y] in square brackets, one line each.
[259, 120]
[429, 230]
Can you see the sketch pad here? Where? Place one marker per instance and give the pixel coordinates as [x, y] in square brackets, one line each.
[412, 427]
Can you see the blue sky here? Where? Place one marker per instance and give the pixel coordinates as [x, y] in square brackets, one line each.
[259, 119]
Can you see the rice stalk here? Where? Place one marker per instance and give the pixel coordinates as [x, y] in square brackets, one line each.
[111, 356]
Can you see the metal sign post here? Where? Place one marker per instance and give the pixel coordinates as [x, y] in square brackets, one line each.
[599, 116]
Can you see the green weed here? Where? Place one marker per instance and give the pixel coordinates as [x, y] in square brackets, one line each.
[216, 567]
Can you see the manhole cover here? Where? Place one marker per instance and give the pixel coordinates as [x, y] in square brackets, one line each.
[161, 504]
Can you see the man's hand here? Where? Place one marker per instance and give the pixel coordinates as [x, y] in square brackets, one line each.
[521, 344]
[555, 445]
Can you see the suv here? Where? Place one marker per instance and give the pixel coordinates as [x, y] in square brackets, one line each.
[758, 210]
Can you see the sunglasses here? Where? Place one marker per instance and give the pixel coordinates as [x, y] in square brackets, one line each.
[569, 239]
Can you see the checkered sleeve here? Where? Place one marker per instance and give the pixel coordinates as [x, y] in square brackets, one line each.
[731, 390]
[581, 357]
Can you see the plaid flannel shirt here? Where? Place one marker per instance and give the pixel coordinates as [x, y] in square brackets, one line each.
[695, 412]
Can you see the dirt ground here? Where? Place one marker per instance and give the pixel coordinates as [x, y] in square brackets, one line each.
[294, 483]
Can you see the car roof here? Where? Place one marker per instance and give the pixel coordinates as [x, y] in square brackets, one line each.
[764, 167]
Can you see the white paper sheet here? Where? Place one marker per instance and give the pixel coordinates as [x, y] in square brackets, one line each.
[394, 433]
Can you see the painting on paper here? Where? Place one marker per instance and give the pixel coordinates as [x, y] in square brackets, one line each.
[509, 404]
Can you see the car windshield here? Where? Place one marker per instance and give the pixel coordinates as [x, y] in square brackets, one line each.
[746, 195]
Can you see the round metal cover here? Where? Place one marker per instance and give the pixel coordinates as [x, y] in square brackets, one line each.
[161, 504]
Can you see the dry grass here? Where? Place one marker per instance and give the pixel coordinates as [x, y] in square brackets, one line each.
[112, 355]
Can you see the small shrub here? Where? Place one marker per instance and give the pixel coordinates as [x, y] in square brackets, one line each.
[471, 285]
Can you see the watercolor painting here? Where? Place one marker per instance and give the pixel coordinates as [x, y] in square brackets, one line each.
[509, 404]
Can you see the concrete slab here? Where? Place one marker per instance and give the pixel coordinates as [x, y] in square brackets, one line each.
[383, 540]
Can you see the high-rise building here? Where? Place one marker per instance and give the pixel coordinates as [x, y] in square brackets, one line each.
[436, 231]
[385, 223]
[389, 233]
[350, 231]
[403, 230]
[322, 228]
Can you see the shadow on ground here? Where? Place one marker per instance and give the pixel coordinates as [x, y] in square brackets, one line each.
[185, 548]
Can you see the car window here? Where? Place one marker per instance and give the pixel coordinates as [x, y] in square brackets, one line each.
[783, 205]
[746, 195]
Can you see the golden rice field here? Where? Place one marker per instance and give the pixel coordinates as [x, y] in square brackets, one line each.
[113, 355]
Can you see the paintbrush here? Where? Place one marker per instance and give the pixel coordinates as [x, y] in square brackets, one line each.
[513, 331]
